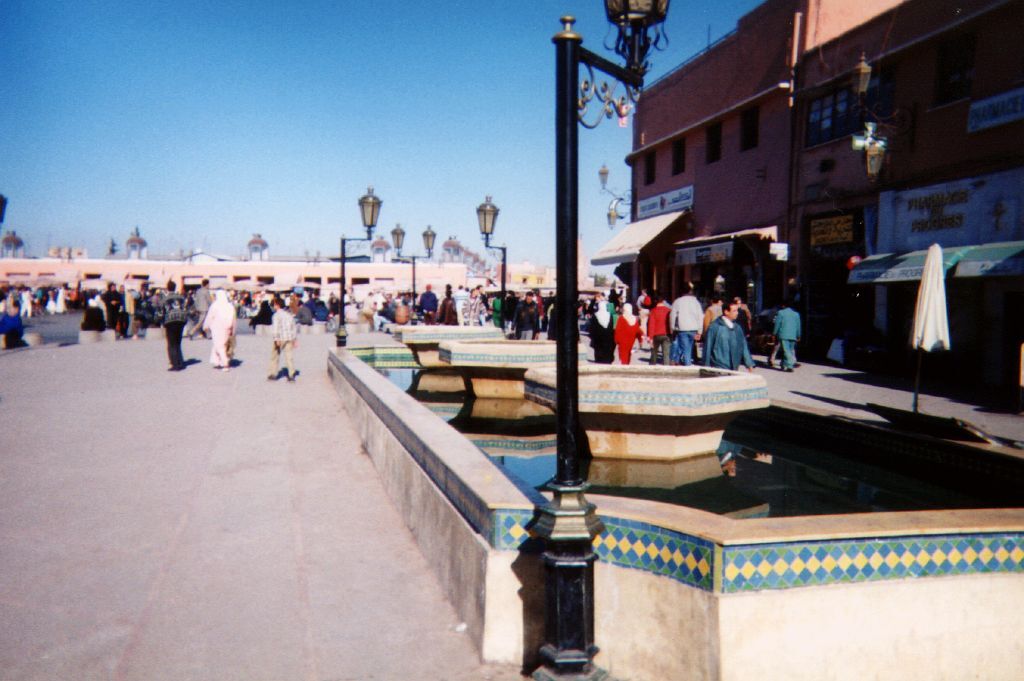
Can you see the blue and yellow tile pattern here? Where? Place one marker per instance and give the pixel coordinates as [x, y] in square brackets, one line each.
[785, 566]
[627, 543]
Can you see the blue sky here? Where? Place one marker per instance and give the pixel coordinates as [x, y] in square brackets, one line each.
[204, 122]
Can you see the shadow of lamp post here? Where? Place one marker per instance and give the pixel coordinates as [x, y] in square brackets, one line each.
[568, 523]
[398, 238]
[487, 215]
[369, 210]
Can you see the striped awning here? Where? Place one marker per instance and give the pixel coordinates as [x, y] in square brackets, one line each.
[892, 267]
[1003, 259]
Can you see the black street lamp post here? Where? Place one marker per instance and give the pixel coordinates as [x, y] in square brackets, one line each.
[369, 210]
[568, 523]
[487, 215]
[398, 238]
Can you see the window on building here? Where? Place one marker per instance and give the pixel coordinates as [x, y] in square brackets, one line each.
[955, 69]
[650, 167]
[878, 100]
[679, 156]
[714, 142]
[749, 124]
[831, 116]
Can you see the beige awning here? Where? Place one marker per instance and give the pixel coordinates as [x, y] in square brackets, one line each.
[626, 245]
[771, 233]
[718, 247]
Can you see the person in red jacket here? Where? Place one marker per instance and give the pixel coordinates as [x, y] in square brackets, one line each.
[627, 333]
[657, 329]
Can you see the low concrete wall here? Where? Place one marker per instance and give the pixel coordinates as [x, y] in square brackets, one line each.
[480, 584]
[684, 594]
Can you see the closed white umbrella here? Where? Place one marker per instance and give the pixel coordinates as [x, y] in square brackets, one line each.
[931, 324]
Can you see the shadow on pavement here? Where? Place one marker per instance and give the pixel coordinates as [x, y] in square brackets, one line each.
[831, 400]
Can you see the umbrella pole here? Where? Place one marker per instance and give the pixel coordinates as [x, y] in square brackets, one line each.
[917, 378]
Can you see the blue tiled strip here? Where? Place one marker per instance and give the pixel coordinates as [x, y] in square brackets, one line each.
[546, 357]
[386, 357]
[636, 398]
[785, 566]
[627, 543]
[511, 445]
[492, 333]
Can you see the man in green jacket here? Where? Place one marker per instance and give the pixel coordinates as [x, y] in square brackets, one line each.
[787, 332]
[725, 343]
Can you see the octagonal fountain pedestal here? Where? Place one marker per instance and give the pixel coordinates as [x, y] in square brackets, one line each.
[654, 412]
[496, 368]
[424, 340]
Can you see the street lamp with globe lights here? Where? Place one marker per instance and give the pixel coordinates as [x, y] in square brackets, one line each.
[568, 523]
[617, 199]
[398, 239]
[369, 211]
[487, 215]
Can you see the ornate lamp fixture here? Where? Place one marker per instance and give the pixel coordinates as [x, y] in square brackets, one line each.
[369, 208]
[398, 238]
[369, 211]
[635, 18]
[874, 148]
[487, 215]
[617, 199]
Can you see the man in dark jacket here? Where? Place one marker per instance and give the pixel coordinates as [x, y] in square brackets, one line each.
[527, 318]
[428, 305]
[725, 343]
[175, 316]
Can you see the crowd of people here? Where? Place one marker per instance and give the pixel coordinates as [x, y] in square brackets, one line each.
[684, 331]
[521, 315]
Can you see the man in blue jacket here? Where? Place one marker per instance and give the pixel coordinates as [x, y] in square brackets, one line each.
[725, 343]
[787, 332]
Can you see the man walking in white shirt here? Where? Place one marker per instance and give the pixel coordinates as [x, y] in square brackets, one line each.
[686, 321]
[285, 335]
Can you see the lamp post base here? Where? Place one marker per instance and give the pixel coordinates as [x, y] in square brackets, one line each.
[341, 337]
[568, 525]
[595, 674]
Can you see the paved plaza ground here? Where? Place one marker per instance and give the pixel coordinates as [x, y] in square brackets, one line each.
[209, 525]
[203, 525]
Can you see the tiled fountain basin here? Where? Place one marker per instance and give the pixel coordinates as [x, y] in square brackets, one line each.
[424, 340]
[495, 368]
[880, 595]
[654, 413]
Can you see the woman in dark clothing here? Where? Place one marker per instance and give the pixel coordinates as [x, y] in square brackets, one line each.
[264, 317]
[602, 336]
[93, 318]
[446, 314]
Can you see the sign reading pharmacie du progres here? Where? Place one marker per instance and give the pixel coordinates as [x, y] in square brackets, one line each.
[667, 202]
[1005, 107]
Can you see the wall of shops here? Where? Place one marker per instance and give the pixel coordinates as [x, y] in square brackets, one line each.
[386, 276]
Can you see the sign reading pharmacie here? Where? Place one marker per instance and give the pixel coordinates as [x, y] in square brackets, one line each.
[1005, 107]
[677, 199]
[976, 210]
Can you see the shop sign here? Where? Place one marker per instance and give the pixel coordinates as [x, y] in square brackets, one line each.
[779, 251]
[677, 199]
[700, 255]
[837, 230]
[998, 110]
[976, 210]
